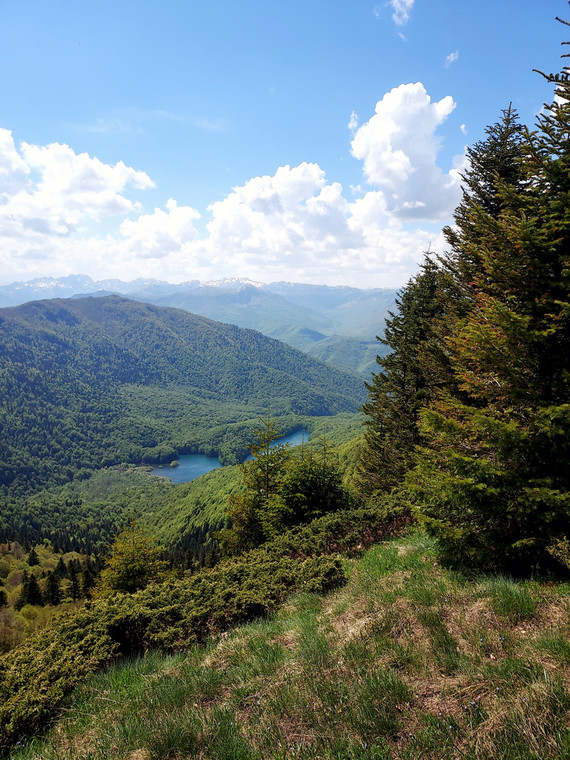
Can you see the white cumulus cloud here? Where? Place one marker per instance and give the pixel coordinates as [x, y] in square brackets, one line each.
[293, 218]
[51, 189]
[399, 148]
[63, 212]
[161, 233]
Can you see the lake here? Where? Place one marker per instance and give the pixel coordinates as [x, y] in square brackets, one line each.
[191, 466]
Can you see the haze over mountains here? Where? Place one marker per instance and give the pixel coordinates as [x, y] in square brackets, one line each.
[334, 324]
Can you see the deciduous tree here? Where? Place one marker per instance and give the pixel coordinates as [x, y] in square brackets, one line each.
[136, 560]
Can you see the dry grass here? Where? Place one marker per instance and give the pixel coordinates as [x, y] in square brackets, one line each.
[404, 663]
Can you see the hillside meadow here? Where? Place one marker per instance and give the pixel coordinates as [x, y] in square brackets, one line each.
[407, 660]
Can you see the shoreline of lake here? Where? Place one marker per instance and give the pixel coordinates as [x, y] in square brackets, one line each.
[192, 466]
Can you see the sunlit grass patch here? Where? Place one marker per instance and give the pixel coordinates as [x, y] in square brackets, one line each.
[407, 661]
[556, 645]
[512, 601]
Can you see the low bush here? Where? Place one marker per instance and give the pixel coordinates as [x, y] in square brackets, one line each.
[35, 677]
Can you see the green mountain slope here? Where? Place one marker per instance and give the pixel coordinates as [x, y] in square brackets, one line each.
[91, 382]
[244, 305]
[320, 320]
[299, 314]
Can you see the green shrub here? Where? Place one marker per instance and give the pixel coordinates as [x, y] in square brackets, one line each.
[36, 676]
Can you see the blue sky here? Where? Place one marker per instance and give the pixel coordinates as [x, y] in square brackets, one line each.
[305, 141]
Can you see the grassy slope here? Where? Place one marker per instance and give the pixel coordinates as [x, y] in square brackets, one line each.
[407, 661]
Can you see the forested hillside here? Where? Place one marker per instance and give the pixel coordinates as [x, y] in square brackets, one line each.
[447, 640]
[98, 381]
[333, 324]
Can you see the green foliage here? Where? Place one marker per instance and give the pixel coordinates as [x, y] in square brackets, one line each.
[27, 611]
[560, 550]
[402, 387]
[282, 487]
[494, 163]
[473, 406]
[135, 561]
[494, 482]
[406, 661]
[30, 593]
[93, 382]
[35, 677]
[52, 593]
[311, 488]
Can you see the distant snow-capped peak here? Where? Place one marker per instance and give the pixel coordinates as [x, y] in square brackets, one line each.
[233, 282]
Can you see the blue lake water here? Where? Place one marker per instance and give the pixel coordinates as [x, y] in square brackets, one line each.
[191, 466]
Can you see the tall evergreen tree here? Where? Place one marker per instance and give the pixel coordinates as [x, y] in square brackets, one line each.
[52, 593]
[402, 386]
[88, 576]
[74, 586]
[31, 592]
[33, 558]
[61, 568]
[493, 163]
[495, 481]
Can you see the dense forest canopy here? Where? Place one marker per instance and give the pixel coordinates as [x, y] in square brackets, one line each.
[93, 382]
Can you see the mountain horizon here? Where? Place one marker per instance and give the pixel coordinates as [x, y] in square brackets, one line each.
[336, 324]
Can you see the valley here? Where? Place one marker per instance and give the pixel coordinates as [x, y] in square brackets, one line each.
[99, 385]
[283, 520]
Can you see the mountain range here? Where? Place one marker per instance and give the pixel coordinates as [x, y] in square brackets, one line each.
[338, 325]
[89, 382]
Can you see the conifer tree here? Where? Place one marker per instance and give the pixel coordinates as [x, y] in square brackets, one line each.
[74, 587]
[494, 481]
[261, 475]
[31, 592]
[311, 488]
[402, 386]
[493, 163]
[61, 568]
[52, 593]
[87, 580]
